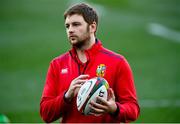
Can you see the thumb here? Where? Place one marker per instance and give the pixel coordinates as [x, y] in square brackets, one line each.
[111, 94]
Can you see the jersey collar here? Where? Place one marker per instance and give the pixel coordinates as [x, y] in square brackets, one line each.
[90, 53]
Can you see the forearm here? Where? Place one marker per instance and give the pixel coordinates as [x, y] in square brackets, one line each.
[52, 108]
[127, 112]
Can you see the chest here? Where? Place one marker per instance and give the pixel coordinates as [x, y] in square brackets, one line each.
[95, 67]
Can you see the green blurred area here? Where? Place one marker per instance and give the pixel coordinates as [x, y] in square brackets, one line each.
[32, 33]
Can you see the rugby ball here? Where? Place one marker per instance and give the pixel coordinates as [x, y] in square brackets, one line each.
[89, 91]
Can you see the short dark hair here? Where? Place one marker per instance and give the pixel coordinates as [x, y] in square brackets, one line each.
[88, 13]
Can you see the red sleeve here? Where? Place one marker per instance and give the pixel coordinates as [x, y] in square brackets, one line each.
[125, 93]
[52, 105]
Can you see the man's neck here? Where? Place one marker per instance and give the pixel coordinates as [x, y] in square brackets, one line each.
[80, 52]
[82, 56]
[88, 44]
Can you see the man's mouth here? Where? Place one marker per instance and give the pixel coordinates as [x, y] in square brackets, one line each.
[72, 37]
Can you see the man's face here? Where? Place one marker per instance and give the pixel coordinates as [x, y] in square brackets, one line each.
[77, 30]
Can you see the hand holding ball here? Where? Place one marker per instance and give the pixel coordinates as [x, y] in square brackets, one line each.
[89, 91]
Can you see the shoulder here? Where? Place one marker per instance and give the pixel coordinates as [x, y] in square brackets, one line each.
[111, 54]
[61, 58]
[115, 59]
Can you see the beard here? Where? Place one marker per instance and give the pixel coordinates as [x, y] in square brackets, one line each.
[82, 41]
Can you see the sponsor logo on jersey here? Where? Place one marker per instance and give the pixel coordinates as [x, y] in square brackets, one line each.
[64, 71]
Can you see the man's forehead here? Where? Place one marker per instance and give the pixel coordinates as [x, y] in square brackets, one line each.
[74, 18]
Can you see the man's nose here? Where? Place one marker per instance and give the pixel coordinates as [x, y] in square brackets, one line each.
[71, 29]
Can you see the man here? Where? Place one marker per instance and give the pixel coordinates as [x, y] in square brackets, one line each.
[69, 71]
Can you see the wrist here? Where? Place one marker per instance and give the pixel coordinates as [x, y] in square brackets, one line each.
[67, 98]
[116, 112]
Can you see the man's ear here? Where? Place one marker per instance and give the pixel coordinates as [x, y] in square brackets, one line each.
[93, 27]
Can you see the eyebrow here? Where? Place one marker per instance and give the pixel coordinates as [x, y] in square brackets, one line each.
[73, 22]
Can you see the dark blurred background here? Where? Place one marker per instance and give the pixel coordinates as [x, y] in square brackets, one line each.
[146, 32]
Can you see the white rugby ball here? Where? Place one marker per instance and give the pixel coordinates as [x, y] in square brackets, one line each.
[89, 91]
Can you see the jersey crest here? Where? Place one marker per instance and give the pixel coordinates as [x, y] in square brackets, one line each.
[101, 70]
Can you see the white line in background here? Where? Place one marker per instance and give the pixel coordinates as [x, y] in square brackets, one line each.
[101, 10]
[164, 32]
[150, 103]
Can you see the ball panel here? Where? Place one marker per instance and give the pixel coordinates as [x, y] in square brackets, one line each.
[84, 92]
[101, 92]
[100, 82]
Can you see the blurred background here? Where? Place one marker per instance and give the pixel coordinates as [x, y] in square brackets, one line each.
[146, 32]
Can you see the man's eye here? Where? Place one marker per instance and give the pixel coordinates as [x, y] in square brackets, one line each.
[76, 24]
[67, 26]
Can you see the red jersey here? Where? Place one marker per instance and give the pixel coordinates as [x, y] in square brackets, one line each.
[66, 67]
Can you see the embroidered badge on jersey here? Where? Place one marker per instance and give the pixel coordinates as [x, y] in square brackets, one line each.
[101, 70]
[64, 71]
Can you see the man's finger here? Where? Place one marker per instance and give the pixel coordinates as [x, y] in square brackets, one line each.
[82, 76]
[111, 94]
[98, 105]
[102, 100]
[96, 110]
[91, 113]
[80, 81]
